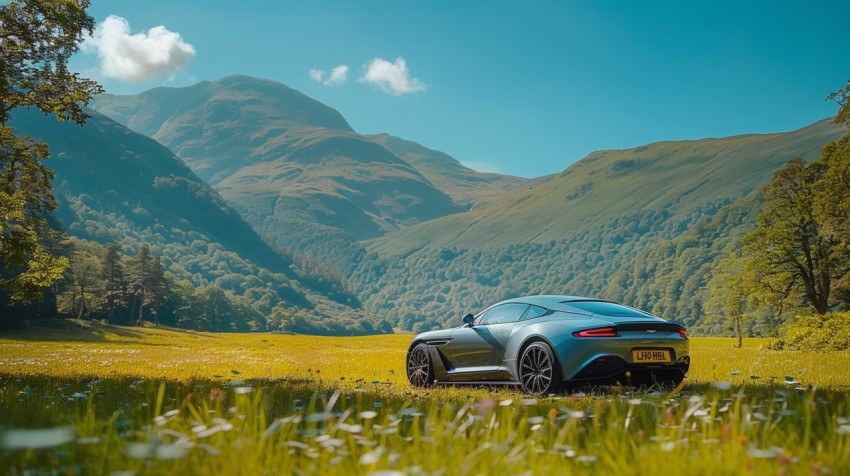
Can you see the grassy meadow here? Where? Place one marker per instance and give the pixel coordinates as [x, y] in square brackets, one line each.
[114, 400]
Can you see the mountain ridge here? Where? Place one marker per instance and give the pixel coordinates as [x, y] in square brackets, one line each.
[464, 185]
[607, 184]
[311, 185]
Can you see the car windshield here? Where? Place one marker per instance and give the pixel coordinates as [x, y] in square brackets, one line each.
[606, 308]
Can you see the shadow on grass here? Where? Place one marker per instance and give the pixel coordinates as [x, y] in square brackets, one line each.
[75, 330]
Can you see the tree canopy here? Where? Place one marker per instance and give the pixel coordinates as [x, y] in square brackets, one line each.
[842, 97]
[800, 249]
[37, 37]
[791, 257]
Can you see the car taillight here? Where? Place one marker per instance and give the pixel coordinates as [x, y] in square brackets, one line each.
[599, 332]
[683, 332]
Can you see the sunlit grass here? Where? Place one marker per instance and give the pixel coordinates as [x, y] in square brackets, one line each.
[181, 355]
[163, 402]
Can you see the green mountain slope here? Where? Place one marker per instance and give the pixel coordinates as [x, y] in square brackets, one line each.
[575, 232]
[467, 187]
[292, 166]
[215, 126]
[678, 178]
[115, 185]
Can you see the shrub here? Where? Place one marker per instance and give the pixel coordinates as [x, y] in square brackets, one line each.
[816, 333]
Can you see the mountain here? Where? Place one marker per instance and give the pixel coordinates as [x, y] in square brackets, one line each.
[573, 233]
[467, 187]
[425, 239]
[290, 165]
[115, 185]
[216, 126]
[118, 169]
[678, 178]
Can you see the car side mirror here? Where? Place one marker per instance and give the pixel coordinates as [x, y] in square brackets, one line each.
[468, 319]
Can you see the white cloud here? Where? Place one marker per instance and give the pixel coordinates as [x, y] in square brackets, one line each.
[338, 75]
[317, 75]
[393, 78]
[140, 57]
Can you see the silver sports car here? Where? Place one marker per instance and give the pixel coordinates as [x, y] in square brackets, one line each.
[548, 343]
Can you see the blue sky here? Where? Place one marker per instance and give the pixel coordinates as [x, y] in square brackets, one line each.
[524, 88]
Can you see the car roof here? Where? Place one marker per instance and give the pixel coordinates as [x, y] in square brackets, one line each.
[555, 302]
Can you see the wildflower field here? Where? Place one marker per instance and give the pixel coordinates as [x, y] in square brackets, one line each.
[122, 401]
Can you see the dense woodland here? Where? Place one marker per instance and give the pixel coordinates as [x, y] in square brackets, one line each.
[424, 289]
[117, 285]
[193, 258]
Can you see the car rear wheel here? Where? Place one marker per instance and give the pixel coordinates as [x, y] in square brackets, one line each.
[539, 373]
[420, 369]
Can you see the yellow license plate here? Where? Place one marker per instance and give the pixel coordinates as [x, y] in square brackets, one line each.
[651, 356]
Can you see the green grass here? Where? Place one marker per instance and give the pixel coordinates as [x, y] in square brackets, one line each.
[162, 402]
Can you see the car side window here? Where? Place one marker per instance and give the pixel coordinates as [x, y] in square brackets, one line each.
[503, 314]
[532, 312]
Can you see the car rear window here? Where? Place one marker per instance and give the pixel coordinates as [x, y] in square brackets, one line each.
[606, 308]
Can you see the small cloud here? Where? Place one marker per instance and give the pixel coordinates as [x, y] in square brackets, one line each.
[140, 57]
[393, 78]
[338, 75]
[484, 167]
[317, 75]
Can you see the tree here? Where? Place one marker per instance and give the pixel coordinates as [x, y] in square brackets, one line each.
[115, 285]
[187, 307]
[791, 255]
[729, 293]
[149, 284]
[832, 193]
[842, 97]
[85, 269]
[26, 266]
[156, 288]
[37, 37]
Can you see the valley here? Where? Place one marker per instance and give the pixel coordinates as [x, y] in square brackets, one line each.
[391, 230]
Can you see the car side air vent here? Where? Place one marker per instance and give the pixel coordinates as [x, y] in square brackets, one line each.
[437, 341]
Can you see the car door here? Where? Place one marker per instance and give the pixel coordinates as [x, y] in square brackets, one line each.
[481, 347]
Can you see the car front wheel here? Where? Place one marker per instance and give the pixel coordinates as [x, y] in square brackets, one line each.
[420, 369]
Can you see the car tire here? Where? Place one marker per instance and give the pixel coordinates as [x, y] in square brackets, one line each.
[539, 371]
[420, 368]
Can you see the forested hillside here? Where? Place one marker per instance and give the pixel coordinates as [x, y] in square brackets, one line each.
[117, 186]
[607, 226]
[670, 278]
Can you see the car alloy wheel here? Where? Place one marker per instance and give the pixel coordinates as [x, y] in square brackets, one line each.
[537, 370]
[420, 370]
